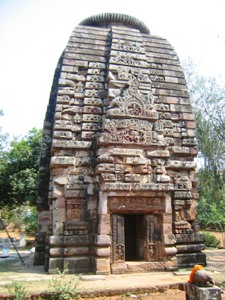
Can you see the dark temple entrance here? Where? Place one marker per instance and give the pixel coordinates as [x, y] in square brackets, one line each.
[134, 237]
[136, 242]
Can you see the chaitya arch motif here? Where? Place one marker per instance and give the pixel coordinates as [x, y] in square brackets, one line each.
[117, 180]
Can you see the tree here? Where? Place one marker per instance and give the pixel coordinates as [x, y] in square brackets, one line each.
[19, 174]
[3, 155]
[3, 144]
[208, 98]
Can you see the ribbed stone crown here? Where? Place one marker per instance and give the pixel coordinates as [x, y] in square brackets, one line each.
[107, 19]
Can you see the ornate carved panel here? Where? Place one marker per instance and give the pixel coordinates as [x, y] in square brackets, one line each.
[118, 242]
[75, 209]
[121, 204]
[75, 228]
[153, 242]
[127, 131]
[133, 103]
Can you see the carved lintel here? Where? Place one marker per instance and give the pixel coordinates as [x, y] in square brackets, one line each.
[134, 204]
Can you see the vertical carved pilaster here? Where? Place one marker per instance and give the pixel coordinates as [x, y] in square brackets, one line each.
[153, 231]
[118, 242]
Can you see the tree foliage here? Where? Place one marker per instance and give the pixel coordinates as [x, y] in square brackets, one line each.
[3, 158]
[19, 171]
[208, 100]
[24, 217]
[3, 145]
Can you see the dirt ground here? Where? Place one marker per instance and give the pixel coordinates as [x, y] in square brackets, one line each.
[167, 295]
[36, 280]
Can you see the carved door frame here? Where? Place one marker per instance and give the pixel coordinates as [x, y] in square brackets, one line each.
[118, 238]
[152, 237]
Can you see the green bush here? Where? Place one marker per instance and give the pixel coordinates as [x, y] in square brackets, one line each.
[30, 221]
[17, 290]
[64, 289]
[210, 240]
[24, 217]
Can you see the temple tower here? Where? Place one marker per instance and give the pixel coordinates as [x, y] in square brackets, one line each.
[117, 185]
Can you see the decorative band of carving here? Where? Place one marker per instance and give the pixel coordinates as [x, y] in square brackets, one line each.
[107, 18]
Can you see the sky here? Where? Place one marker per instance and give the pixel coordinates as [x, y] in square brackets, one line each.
[34, 33]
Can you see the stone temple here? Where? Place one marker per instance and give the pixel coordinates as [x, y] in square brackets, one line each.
[117, 186]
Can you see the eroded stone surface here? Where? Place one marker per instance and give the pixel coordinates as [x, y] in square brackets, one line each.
[202, 293]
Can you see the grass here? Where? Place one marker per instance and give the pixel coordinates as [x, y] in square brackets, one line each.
[13, 271]
[30, 286]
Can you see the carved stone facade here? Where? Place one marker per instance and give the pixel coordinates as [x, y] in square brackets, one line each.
[117, 173]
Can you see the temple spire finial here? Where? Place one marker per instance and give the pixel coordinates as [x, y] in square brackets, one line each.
[105, 19]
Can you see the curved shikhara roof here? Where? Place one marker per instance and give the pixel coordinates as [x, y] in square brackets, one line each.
[107, 18]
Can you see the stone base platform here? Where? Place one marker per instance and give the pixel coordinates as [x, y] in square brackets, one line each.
[194, 292]
[138, 267]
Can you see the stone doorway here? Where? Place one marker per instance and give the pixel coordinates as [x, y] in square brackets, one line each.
[137, 242]
[134, 237]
